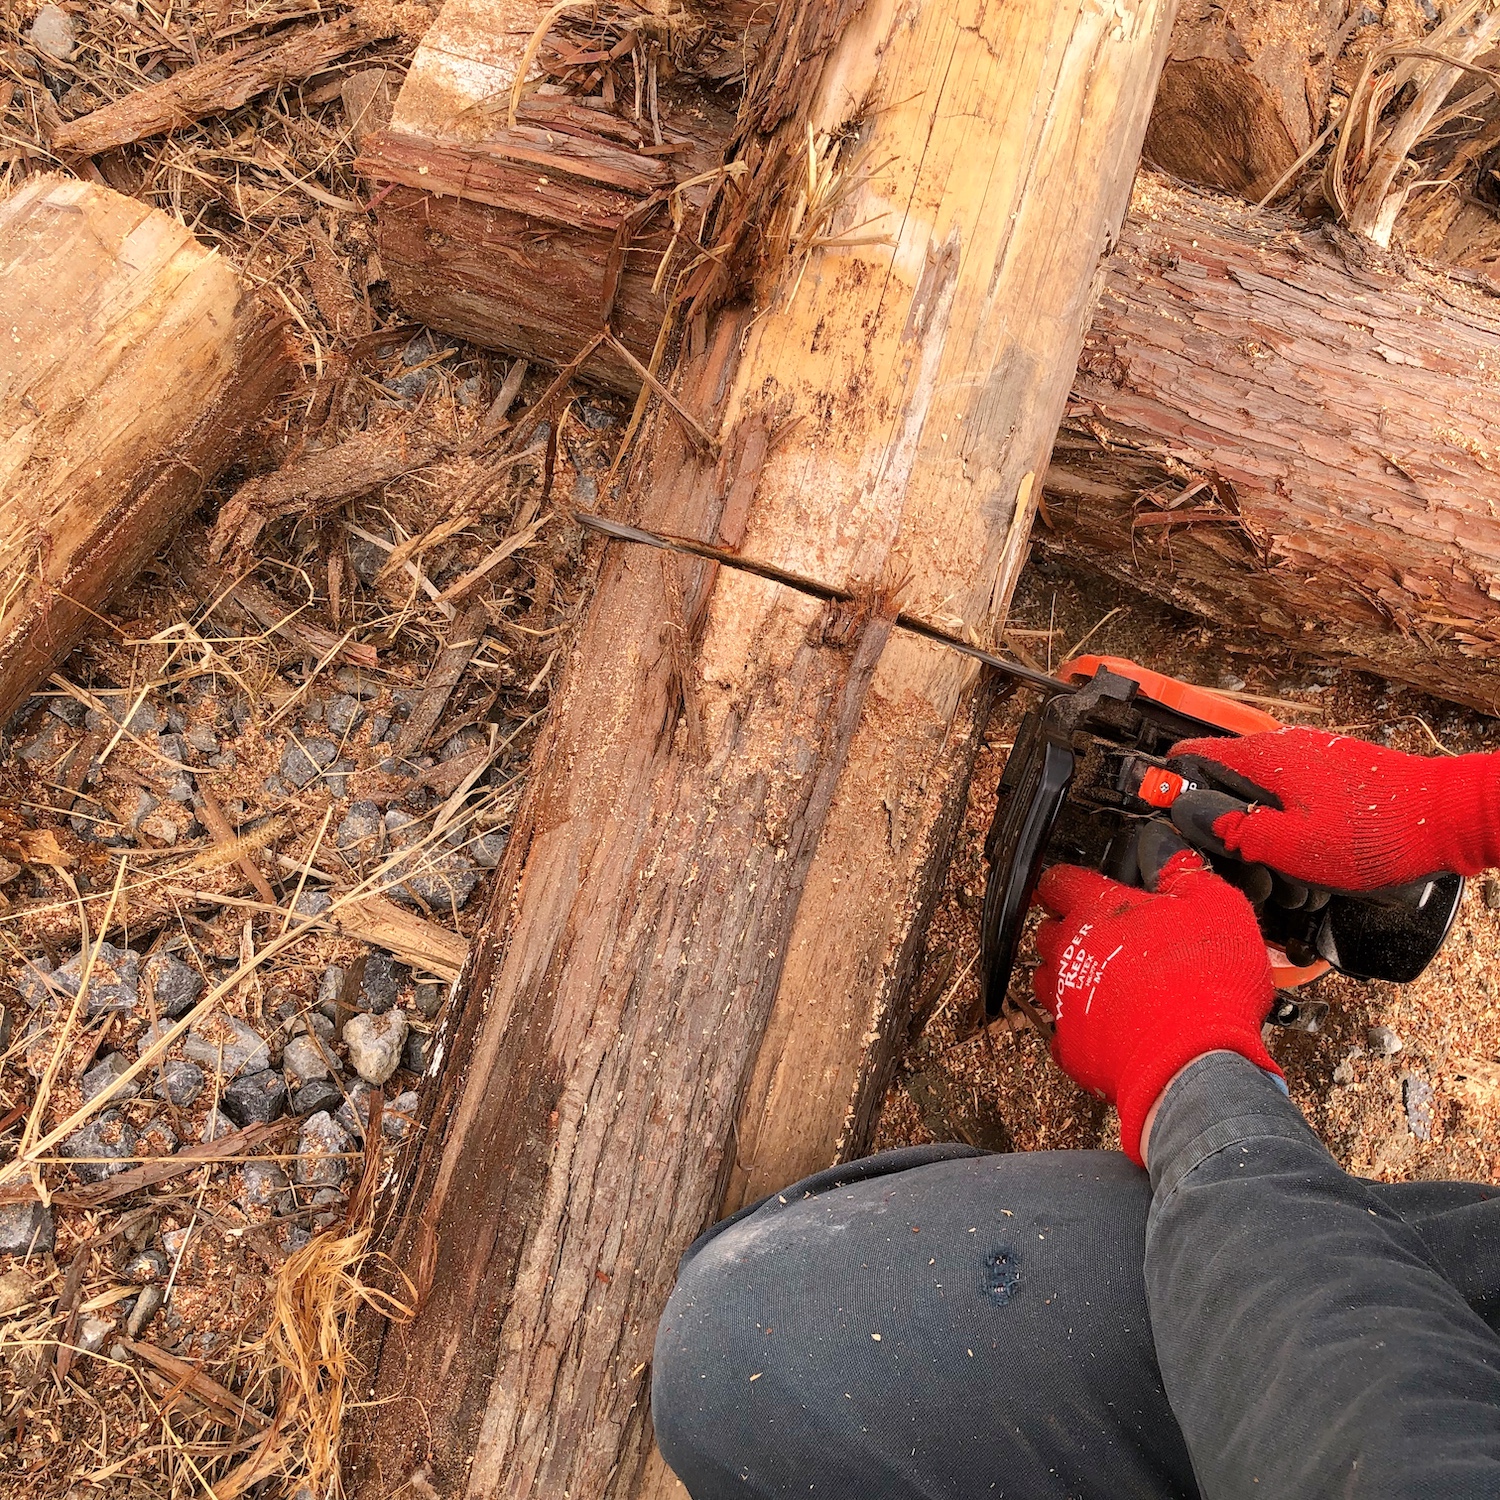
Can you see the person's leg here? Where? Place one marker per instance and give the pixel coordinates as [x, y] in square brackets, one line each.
[972, 1326]
[1459, 1222]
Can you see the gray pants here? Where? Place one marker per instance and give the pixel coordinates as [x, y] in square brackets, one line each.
[940, 1323]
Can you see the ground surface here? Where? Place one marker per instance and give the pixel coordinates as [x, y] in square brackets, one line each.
[186, 755]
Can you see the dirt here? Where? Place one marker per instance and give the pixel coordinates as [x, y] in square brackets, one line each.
[996, 1087]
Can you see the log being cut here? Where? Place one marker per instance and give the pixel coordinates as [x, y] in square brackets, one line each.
[739, 815]
[1280, 428]
[133, 364]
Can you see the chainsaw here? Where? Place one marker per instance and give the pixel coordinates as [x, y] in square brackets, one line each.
[1090, 781]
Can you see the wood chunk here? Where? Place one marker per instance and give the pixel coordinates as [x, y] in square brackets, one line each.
[132, 367]
[213, 87]
[693, 968]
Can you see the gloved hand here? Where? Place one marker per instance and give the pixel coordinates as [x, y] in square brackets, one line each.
[1141, 983]
[1352, 816]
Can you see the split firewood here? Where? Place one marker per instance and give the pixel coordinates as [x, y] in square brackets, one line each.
[1278, 428]
[134, 365]
[213, 87]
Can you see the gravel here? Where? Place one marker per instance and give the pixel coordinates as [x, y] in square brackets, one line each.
[320, 1145]
[147, 1305]
[417, 1050]
[487, 849]
[114, 980]
[228, 1043]
[157, 1138]
[264, 1185]
[343, 714]
[180, 1083]
[175, 986]
[216, 1126]
[1416, 1095]
[375, 1044]
[438, 880]
[144, 1266]
[105, 1072]
[303, 761]
[302, 1060]
[362, 833]
[320, 1094]
[25, 1229]
[1383, 1041]
[91, 1334]
[256, 1098]
[109, 1136]
[430, 997]
[381, 983]
[400, 1116]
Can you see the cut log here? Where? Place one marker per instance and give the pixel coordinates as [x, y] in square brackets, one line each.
[1281, 429]
[740, 809]
[133, 367]
[1244, 91]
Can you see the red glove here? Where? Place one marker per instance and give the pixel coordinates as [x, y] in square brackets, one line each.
[1140, 983]
[1357, 816]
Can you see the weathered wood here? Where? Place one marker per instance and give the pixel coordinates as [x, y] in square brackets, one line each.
[1244, 91]
[527, 238]
[741, 804]
[133, 365]
[1323, 417]
[212, 87]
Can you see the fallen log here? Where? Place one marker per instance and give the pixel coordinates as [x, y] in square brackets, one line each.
[1282, 429]
[741, 806]
[133, 366]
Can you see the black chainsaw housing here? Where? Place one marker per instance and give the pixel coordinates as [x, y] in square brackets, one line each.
[1068, 794]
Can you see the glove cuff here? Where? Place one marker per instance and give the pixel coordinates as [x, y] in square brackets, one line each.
[1151, 1071]
[1463, 811]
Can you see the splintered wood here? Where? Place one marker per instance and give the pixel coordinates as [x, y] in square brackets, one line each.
[739, 812]
[133, 365]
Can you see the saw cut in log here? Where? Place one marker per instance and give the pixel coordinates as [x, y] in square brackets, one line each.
[530, 234]
[1279, 428]
[716, 888]
[1244, 91]
[133, 366]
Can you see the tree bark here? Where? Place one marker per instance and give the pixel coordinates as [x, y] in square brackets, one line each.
[133, 367]
[1322, 417]
[741, 808]
[1244, 90]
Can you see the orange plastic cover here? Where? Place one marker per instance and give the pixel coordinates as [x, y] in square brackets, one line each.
[1202, 703]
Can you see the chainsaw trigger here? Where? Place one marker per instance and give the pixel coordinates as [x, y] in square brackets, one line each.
[1194, 814]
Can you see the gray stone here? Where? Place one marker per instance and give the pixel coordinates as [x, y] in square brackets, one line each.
[225, 760]
[320, 1094]
[365, 558]
[144, 1266]
[143, 720]
[110, 1137]
[294, 1238]
[327, 1198]
[147, 1305]
[400, 1116]
[32, 983]
[302, 1060]
[337, 777]
[172, 747]
[343, 714]
[331, 985]
[1416, 1096]
[466, 740]
[25, 1229]
[139, 806]
[91, 1334]
[105, 1072]
[181, 788]
[362, 833]
[46, 744]
[417, 1050]
[595, 418]
[17, 1289]
[302, 762]
[375, 1044]
[437, 880]
[180, 1083]
[69, 710]
[354, 682]
[381, 982]
[354, 1113]
[429, 998]
[487, 849]
[175, 986]
[157, 1138]
[380, 729]
[228, 1044]
[264, 1185]
[314, 1023]
[203, 740]
[311, 903]
[216, 1126]
[114, 980]
[1383, 1041]
[256, 1098]
[54, 33]
[312, 711]
[320, 1148]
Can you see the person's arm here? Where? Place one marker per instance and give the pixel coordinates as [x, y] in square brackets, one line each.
[1309, 1344]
